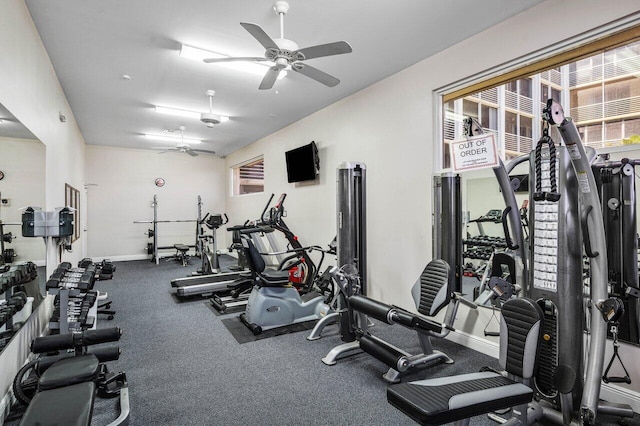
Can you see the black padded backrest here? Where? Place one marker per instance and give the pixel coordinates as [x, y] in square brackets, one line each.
[500, 259]
[433, 288]
[520, 332]
[256, 262]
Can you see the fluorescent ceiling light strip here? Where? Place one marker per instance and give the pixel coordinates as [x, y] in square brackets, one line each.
[198, 54]
[186, 113]
[173, 139]
[178, 112]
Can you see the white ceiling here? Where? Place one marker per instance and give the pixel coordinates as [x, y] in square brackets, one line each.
[92, 44]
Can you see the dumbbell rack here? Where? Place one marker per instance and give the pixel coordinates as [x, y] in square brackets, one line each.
[68, 284]
[63, 325]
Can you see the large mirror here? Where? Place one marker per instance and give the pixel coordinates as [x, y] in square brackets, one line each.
[22, 167]
[484, 240]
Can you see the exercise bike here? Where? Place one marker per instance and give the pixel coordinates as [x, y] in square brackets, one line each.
[274, 302]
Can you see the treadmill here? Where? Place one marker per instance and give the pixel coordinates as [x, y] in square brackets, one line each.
[207, 285]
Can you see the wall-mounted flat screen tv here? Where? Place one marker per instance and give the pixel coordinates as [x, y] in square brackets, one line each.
[302, 163]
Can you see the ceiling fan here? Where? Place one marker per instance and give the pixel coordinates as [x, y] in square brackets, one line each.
[182, 146]
[285, 53]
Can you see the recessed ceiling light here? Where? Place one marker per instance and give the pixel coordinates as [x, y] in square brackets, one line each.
[185, 113]
[126, 77]
[198, 54]
[171, 138]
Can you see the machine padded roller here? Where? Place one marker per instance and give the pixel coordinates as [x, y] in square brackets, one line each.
[372, 308]
[58, 342]
[53, 342]
[104, 335]
[382, 351]
[110, 353]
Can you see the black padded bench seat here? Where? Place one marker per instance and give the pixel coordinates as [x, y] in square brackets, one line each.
[457, 398]
[70, 371]
[439, 401]
[68, 406]
[181, 253]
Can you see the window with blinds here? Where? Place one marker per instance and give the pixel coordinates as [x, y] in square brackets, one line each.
[600, 90]
[248, 177]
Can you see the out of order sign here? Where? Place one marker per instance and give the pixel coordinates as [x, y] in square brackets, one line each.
[477, 152]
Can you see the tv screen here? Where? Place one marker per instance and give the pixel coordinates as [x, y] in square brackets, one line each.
[302, 163]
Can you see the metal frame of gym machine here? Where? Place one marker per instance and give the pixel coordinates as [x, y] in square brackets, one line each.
[617, 189]
[155, 253]
[352, 252]
[565, 209]
[554, 278]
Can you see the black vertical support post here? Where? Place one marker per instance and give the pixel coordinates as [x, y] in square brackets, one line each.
[449, 222]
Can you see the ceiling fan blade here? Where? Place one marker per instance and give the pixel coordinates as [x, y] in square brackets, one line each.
[329, 49]
[247, 59]
[258, 33]
[191, 153]
[316, 74]
[163, 149]
[269, 78]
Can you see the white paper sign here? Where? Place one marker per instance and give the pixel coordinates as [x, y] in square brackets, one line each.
[478, 152]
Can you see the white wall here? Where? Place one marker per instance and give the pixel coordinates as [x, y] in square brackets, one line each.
[123, 192]
[23, 162]
[30, 90]
[390, 127]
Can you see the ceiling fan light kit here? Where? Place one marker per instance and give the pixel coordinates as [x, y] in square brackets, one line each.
[209, 118]
[284, 53]
[181, 146]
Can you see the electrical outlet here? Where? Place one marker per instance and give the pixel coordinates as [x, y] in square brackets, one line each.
[5, 202]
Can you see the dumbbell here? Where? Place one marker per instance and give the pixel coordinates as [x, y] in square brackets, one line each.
[85, 262]
[107, 267]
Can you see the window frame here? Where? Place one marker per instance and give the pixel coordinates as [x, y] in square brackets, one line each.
[234, 171]
[608, 36]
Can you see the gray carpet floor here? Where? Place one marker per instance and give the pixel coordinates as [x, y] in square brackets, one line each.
[185, 368]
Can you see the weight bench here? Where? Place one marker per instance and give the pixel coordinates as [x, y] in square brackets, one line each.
[457, 398]
[68, 384]
[69, 405]
[181, 253]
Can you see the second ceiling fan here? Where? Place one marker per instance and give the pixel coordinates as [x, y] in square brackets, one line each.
[285, 53]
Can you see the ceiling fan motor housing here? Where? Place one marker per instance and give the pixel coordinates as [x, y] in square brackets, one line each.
[210, 119]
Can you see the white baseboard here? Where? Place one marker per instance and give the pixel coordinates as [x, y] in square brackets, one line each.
[474, 342]
[129, 257]
[615, 393]
[124, 258]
